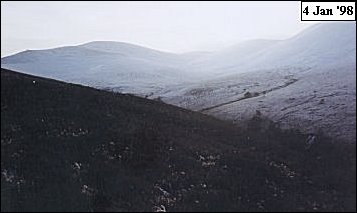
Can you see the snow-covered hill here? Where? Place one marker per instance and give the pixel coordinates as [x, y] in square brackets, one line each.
[307, 81]
[323, 44]
[116, 65]
[228, 59]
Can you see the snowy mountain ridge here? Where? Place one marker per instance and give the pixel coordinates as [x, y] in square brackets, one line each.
[306, 81]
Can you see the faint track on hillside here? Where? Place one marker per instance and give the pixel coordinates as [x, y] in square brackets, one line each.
[255, 94]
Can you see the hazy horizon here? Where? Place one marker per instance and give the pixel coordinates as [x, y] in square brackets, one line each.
[175, 27]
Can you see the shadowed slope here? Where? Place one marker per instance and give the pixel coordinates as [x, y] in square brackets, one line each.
[66, 147]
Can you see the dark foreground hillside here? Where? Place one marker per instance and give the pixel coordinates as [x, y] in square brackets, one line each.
[71, 148]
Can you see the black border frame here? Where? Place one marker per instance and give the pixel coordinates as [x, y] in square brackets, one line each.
[323, 2]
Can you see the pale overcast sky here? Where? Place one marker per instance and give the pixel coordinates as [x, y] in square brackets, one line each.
[168, 26]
